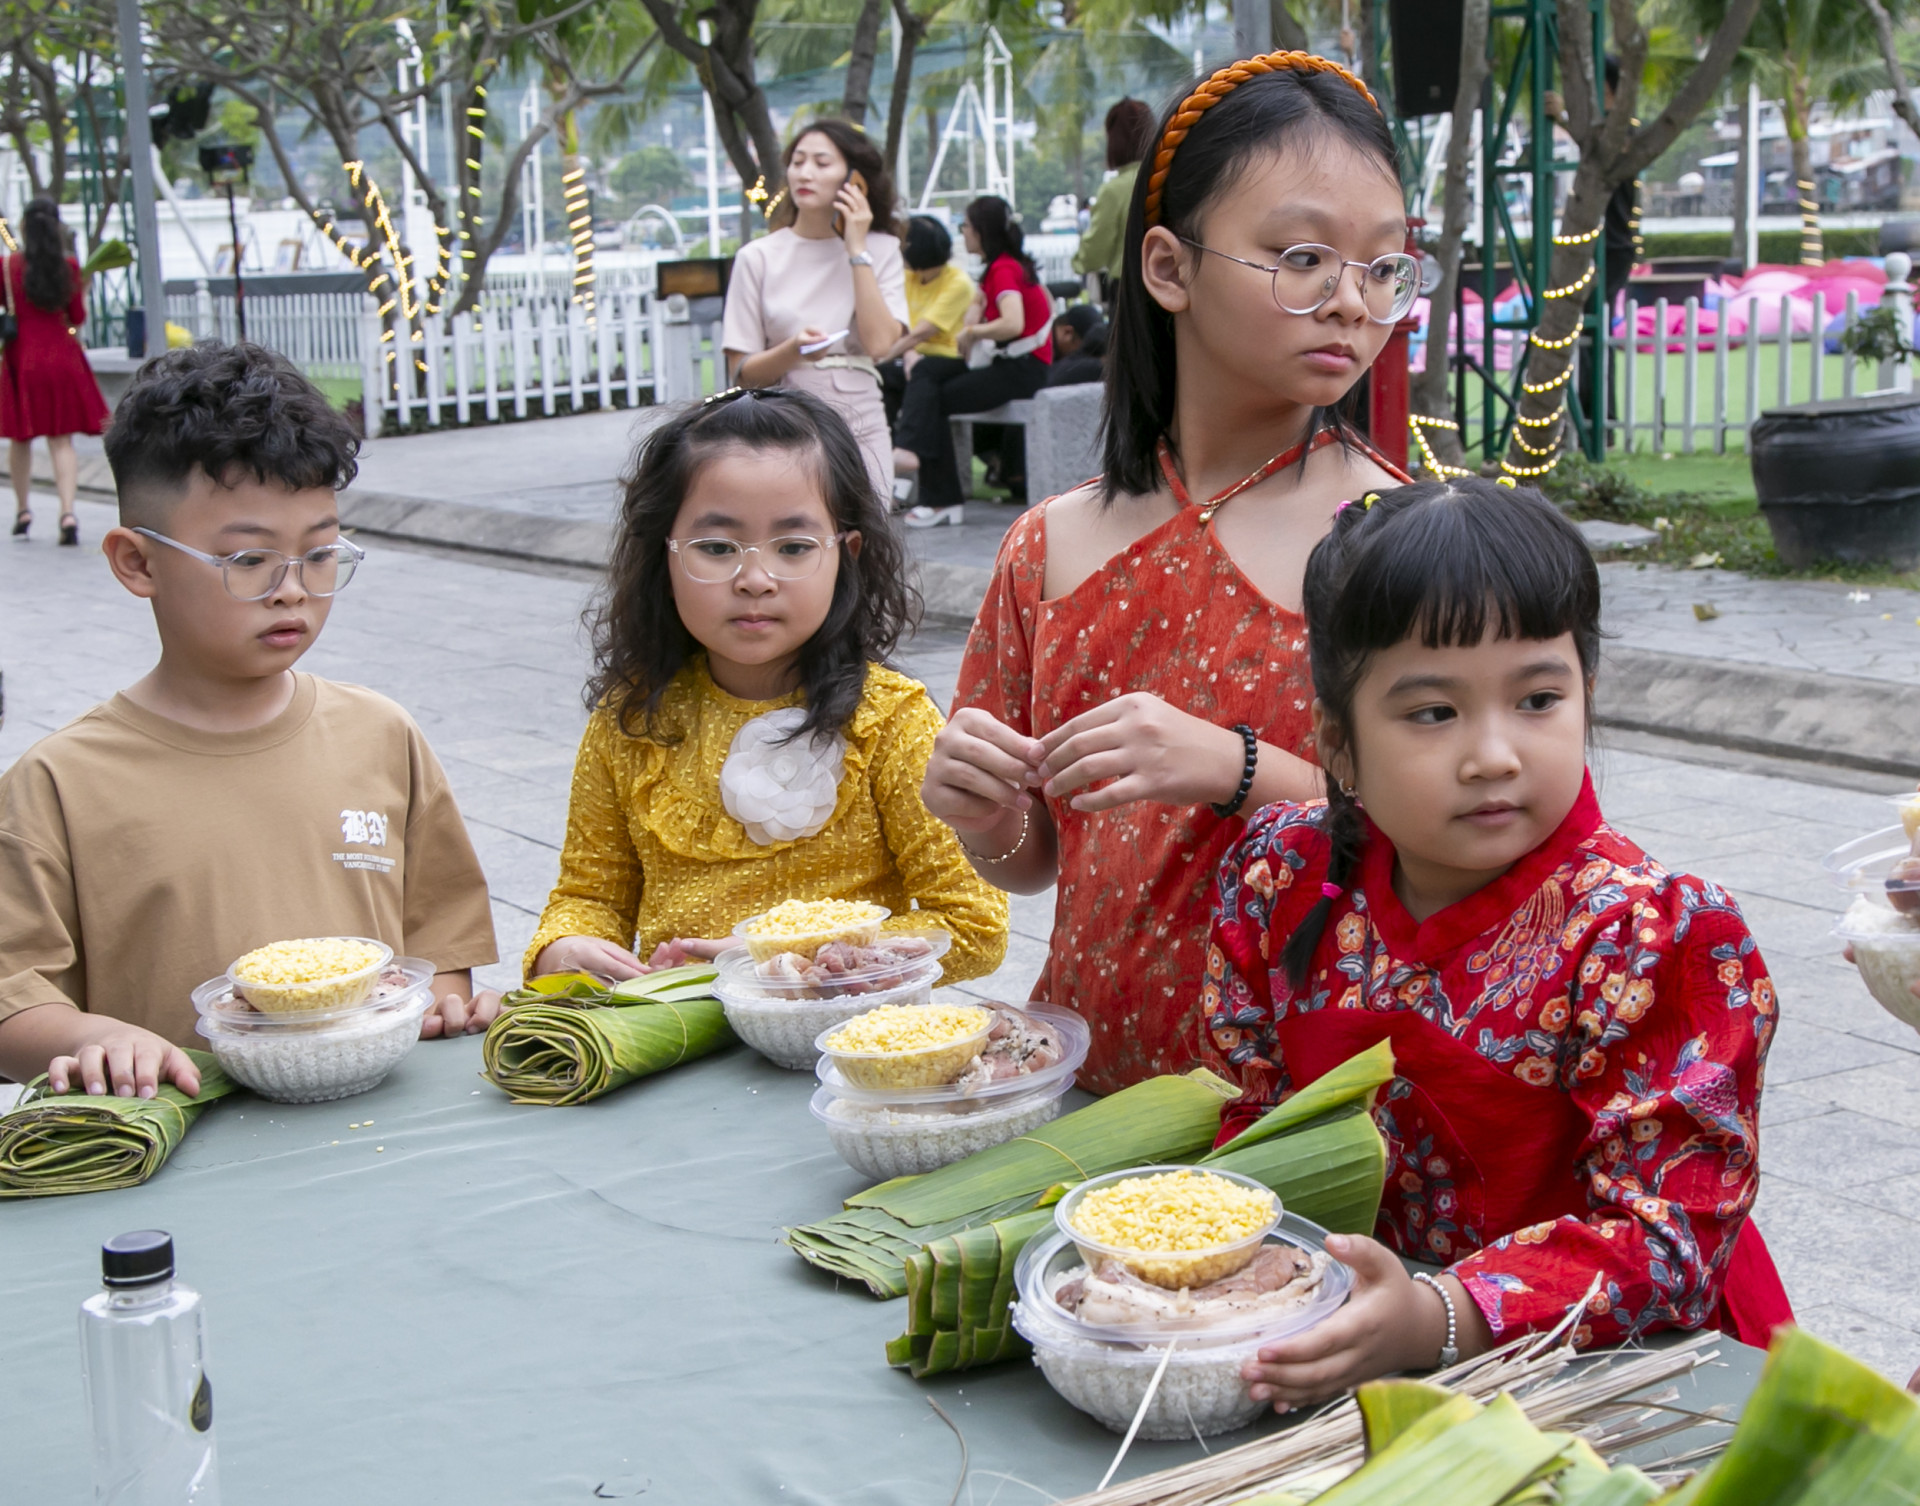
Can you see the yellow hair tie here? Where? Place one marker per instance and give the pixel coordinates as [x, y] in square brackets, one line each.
[1368, 500]
[1505, 481]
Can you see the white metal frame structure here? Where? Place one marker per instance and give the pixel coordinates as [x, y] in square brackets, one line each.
[982, 117]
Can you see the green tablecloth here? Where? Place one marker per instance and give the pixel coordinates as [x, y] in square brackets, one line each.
[470, 1302]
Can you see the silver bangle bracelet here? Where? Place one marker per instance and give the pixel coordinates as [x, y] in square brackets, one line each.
[1449, 1351]
[1026, 825]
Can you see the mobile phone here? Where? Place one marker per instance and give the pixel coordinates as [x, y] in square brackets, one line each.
[815, 347]
[840, 220]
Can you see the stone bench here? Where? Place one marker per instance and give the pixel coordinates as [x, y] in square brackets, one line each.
[1063, 437]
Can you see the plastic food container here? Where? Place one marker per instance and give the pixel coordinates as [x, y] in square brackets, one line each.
[789, 975]
[764, 946]
[785, 1030]
[926, 1067]
[1172, 1269]
[342, 991]
[1886, 949]
[1865, 865]
[321, 1054]
[898, 1140]
[1069, 1027]
[1104, 1370]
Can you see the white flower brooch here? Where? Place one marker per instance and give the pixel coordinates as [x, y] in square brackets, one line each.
[780, 790]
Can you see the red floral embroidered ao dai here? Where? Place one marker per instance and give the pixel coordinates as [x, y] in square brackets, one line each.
[1579, 1047]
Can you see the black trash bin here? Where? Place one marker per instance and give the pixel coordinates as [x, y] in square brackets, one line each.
[1840, 479]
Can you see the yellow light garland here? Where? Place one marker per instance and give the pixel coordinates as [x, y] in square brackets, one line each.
[1432, 462]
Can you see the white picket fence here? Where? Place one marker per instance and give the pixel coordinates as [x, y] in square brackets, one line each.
[524, 358]
[1690, 389]
[318, 332]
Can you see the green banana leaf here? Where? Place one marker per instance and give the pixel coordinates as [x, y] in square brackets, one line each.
[1481, 1460]
[572, 1052]
[1161, 1119]
[1319, 1151]
[108, 256]
[55, 1144]
[1819, 1429]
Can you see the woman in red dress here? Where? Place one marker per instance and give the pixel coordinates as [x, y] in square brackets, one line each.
[47, 389]
[1137, 674]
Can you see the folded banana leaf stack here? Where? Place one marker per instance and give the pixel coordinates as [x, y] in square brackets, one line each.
[1319, 1151]
[1820, 1429]
[570, 1038]
[53, 1144]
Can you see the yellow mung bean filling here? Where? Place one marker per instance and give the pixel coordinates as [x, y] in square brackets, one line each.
[1172, 1210]
[312, 961]
[806, 917]
[909, 1027]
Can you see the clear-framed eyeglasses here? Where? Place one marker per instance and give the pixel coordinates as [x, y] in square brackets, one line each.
[714, 562]
[255, 574]
[1307, 275]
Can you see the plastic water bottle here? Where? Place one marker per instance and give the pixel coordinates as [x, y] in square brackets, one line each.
[143, 1352]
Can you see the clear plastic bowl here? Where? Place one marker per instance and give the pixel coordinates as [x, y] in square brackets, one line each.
[322, 1054]
[784, 1031]
[764, 978]
[861, 933]
[1886, 949]
[886, 1071]
[1865, 864]
[883, 1141]
[1105, 1370]
[342, 991]
[1171, 1269]
[1074, 1040]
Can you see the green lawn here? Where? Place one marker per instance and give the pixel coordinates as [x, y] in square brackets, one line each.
[1650, 400]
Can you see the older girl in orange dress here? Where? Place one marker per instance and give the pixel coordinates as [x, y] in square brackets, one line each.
[1137, 675]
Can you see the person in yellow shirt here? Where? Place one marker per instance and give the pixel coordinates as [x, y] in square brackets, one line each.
[1129, 134]
[748, 744]
[940, 296]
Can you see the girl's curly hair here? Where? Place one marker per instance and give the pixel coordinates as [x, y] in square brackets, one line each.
[639, 641]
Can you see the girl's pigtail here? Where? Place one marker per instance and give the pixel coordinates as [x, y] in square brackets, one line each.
[1346, 835]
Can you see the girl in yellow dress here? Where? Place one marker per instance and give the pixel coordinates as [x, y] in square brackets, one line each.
[747, 743]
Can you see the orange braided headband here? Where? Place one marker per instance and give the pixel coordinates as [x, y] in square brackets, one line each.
[1217, 88]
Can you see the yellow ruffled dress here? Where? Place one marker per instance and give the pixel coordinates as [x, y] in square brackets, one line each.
[651, 853]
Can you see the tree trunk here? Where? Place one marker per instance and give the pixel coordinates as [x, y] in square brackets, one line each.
[1613, 150]
[1747, 147]
[1431, 394]
[1288, 34]
[912, 29]
[1903, 101]
[866, 45]
[1812, 252]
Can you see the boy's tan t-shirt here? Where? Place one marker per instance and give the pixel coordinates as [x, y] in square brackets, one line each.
[139, 857]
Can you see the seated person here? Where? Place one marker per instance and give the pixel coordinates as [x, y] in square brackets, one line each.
[940, 297]
[1079, 347]
[222, 801]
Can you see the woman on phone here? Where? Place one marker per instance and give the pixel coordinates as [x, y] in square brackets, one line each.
[810, 304]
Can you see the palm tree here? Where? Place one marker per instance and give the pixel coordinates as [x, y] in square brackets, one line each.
[1809, 53]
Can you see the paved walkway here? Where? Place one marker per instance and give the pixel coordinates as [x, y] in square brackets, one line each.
[489, 658]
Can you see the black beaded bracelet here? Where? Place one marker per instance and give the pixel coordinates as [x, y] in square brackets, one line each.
[1232, 807]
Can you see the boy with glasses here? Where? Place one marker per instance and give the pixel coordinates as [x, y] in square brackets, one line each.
[222, 801]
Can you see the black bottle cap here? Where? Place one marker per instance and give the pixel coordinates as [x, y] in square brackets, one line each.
[138, 1258]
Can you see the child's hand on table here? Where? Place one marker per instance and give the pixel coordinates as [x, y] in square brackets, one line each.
[684, 949]
[1390, 1323]
[588, 954]
[126, 1061]
[454, 1015]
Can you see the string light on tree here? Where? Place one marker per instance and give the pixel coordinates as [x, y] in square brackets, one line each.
[579, 212]
[1418, 424]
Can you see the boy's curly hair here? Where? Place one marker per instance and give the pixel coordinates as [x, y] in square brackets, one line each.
[230, 411]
